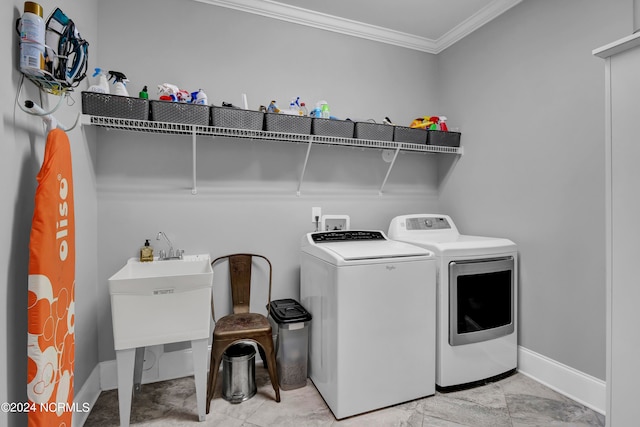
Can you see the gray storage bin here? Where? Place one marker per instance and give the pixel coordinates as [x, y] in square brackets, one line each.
[443, 138]
[410, 135]
[180, 112]
[236, 118]
[375, 131]
[122, 107]
[287, 123]
[239, 373]
[331, 127]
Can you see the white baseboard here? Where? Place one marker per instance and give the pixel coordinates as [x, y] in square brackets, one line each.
[576, 385]
[88, 394]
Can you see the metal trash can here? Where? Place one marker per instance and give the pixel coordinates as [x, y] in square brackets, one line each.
[290, 323]
[239, 373]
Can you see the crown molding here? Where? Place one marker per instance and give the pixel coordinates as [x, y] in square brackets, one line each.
[469, 25]
[297, 15]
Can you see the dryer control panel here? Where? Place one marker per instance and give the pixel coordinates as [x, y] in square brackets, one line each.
[427, 223]
[347, 236]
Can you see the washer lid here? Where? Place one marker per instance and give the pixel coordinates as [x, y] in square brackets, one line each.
[352, 251]
[464, 245]
[341, 247]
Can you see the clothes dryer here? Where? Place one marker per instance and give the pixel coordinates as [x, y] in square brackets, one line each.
[477, 294]
[372, 337]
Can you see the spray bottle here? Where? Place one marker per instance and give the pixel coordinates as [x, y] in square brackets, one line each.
[32, 37]
[443, 124]
[119, 81]
[103, 85]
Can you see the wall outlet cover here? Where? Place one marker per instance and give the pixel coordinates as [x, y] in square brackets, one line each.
[335, 223]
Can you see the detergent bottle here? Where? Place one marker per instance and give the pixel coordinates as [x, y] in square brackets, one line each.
[199, 97]
[32, 35]
[119, 82]
[103, 85]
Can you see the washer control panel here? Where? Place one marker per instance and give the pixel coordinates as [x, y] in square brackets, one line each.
[427, 223]
[346, 236]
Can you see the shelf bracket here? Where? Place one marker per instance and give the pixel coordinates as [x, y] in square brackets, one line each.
[304, 166]
[391, 163]
[194, 135]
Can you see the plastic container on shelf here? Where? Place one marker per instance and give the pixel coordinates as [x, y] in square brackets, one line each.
[409, 135]
[287, 123]
[374, 131]
[236, 118]
[331, 127]
[123, 107]
[180, 112]
[443, 138]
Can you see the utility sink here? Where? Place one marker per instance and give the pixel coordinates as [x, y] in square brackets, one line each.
[161, 302]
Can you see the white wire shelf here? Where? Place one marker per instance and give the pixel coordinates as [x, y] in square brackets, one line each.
[390, 148]
[187, 129]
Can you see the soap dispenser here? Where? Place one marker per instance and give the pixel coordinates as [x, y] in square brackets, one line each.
[146, 252]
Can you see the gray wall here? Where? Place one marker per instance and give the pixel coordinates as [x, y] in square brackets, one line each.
[246, 197]
[524, 89]
[530, 99]
[21, 153]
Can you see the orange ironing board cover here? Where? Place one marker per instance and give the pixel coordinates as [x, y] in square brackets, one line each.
[51, 312]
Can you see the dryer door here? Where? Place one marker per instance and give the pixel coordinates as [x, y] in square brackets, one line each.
[481, 300]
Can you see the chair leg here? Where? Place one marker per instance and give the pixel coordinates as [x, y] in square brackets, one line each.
[267, 344]
[263, 356]
[214, 367]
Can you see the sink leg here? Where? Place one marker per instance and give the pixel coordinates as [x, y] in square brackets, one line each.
[199, 351]
[137, 370]
[125, 360]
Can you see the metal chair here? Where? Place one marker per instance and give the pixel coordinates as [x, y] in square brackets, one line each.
[242, 325]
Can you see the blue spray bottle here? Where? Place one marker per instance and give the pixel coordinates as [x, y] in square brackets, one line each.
[103, 85]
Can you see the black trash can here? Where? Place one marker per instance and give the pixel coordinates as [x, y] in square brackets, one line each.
[290, 323]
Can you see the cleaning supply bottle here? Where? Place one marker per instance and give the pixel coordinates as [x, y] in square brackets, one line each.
[103, 85]
[143, 93]
[273, 108]
[119, 82]
[146, 252]
[199, 98]
[443, 124]
[32, 36]
[303, 109]
[325, 111]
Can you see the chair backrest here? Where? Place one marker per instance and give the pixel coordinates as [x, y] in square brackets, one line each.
[240, 267]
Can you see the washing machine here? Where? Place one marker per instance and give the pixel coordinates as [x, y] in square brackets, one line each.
[477, 294]
[372, 337]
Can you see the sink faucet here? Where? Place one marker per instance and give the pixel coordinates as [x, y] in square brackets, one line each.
[177, 254]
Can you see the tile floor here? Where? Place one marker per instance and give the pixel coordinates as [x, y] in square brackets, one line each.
[516, 401]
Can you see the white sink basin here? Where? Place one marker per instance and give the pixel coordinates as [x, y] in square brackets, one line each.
[161, 302]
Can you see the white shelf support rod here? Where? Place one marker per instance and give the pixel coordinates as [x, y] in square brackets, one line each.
[393, 160]
[194, 135]
[304, 166]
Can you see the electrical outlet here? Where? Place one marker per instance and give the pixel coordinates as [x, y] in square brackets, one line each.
[316, 214]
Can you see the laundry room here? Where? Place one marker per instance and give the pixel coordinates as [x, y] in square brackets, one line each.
[523, 90]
